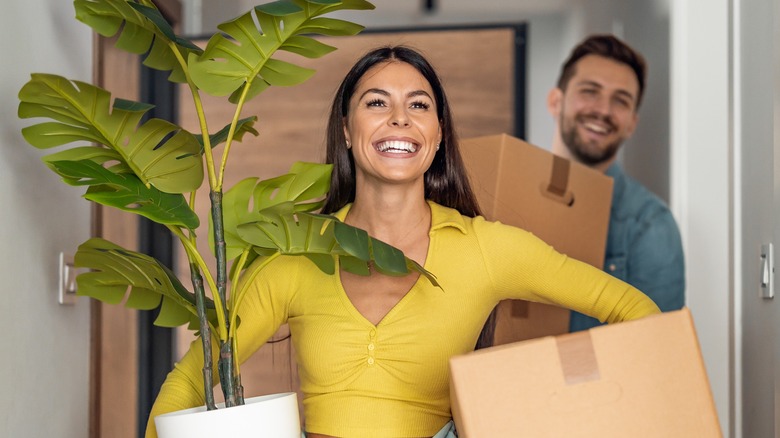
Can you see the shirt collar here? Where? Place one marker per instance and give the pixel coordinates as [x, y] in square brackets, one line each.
[618, 184]
[441, 217]
[614, 170]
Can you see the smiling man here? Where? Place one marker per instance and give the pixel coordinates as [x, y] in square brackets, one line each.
[594, 106]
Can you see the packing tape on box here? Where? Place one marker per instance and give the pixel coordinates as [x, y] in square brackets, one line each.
[519, 309]
[557, 189]
[578, 358]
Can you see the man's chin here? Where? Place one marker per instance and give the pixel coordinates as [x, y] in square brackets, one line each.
[592, 152]
[590, 158]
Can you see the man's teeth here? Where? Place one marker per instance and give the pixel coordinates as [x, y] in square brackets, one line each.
[397, 147]
[596, 128]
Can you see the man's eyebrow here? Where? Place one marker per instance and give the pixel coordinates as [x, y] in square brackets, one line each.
[621, 91]
[589, 83]
[627, 94]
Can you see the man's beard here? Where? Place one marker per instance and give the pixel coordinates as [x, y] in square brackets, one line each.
[580, 149]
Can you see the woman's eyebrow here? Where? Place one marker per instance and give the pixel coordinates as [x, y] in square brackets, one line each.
[419, 93]
[376, 91]
[414, 93]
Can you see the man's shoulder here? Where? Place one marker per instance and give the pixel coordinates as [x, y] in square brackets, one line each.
[634, 200]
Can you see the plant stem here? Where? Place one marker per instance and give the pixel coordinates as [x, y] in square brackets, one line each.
[193, 255]
[239, 386]
[227, 373]
[204, 129]
[240, 292]
[231, 134]
[225, 366]
[205, 335]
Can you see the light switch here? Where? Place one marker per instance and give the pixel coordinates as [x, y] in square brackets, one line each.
[67, 280]
[767, 282]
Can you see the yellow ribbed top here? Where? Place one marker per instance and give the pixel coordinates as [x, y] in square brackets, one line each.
[392, 379]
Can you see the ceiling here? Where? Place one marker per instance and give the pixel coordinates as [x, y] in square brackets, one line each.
[202, 16]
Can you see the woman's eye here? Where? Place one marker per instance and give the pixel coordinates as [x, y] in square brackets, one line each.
[421, 105]
[375, 102]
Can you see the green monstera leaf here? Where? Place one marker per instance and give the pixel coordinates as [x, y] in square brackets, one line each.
[302, 189]
[321, 238]
[126, 192]
[143, 30]
[228, 66]
[243, 126]
[160, 153]
[116, 270]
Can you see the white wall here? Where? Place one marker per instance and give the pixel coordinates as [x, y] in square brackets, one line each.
[45, 346]
[755, 115]
[703, 192]
[393, 13]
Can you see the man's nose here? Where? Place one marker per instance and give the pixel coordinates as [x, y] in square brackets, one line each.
[602, 106]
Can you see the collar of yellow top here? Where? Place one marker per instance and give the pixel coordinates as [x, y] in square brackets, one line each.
[441, 217]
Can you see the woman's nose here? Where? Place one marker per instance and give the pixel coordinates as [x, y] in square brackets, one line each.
[399, 118]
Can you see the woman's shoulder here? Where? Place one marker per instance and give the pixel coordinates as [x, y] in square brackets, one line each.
[442, 217]
[281, 269]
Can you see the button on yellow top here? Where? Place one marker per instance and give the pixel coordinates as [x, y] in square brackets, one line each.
[370, 360]
[371, 347]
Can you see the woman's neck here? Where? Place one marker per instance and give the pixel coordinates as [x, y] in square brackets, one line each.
[394, 218]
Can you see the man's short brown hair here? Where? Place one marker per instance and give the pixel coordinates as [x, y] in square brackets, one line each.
[607, 46]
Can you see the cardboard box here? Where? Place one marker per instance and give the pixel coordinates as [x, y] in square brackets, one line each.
[564, 203]
[643, 378]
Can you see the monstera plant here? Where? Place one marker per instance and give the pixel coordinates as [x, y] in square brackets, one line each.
[153, 168]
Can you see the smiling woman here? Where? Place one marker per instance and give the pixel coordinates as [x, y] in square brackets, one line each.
[373, 349]
[285, 137]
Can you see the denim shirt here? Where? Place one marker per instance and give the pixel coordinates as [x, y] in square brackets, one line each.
[643, 247]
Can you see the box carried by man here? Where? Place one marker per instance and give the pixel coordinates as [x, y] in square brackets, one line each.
[564, 203]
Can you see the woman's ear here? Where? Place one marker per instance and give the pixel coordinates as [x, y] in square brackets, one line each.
[346, 134]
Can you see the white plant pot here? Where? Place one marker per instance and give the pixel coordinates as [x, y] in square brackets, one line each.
[268, 416]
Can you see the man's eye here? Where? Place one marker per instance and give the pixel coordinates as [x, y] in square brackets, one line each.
[625, 103]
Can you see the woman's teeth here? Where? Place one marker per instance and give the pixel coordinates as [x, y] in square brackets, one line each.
[396, 147]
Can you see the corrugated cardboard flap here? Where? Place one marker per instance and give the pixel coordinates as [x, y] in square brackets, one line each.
[650, 381]
[564, 203]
